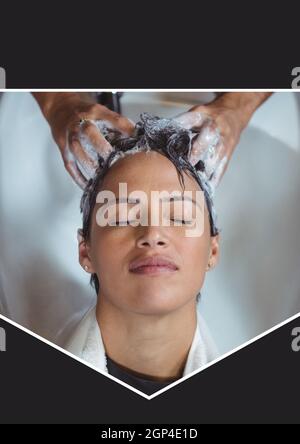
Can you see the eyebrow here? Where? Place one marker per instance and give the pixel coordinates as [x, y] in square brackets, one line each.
[127, 200]
[164, 199]
[121, 200]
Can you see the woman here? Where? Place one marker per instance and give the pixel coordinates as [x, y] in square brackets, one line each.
[145, 329]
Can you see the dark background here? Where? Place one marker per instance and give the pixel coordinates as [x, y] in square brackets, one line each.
[258, 384]
[151, 45]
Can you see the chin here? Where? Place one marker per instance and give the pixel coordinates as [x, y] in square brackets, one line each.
[154, 303]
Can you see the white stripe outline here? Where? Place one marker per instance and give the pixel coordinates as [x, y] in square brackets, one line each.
[179, 381]
[114, 90]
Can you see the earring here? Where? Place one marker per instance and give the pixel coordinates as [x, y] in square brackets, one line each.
[86, 268]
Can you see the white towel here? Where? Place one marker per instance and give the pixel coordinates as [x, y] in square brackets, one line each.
[86, 343]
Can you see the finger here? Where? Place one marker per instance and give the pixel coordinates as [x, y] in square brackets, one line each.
[191, 119]
[112, 119]
[87, 163]
[205, 145]
[115, 121]
[122, 124]
[75, 173]
[219, 172]
[92, 141]
[209, 147]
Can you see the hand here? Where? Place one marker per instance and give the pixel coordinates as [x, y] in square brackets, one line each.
[75, 122]
[220, 124]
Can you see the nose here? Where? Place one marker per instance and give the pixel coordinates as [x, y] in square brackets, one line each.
[152, 237]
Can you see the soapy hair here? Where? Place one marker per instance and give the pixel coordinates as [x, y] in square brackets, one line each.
[165, 136]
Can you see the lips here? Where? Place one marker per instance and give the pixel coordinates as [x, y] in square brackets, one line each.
[153, 265]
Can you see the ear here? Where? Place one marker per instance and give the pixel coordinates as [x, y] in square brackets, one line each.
[84, 253]
[214, 252]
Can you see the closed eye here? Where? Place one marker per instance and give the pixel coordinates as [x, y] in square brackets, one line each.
[182, 221]
[123, 223]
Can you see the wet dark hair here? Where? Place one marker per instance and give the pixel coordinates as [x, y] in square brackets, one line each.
[165, 136]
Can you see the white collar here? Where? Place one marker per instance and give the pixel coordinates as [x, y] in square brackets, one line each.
[86, 343]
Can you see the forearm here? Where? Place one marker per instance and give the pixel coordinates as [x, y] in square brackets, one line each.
[49, 101]
[243, 104]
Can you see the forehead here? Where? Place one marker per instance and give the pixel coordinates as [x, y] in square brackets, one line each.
[147, 171]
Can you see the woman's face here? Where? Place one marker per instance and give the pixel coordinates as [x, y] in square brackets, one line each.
[114, 252]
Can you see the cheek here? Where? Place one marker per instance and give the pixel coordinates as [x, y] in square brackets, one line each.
[107, 252]
[99, 252]
[195, 253]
